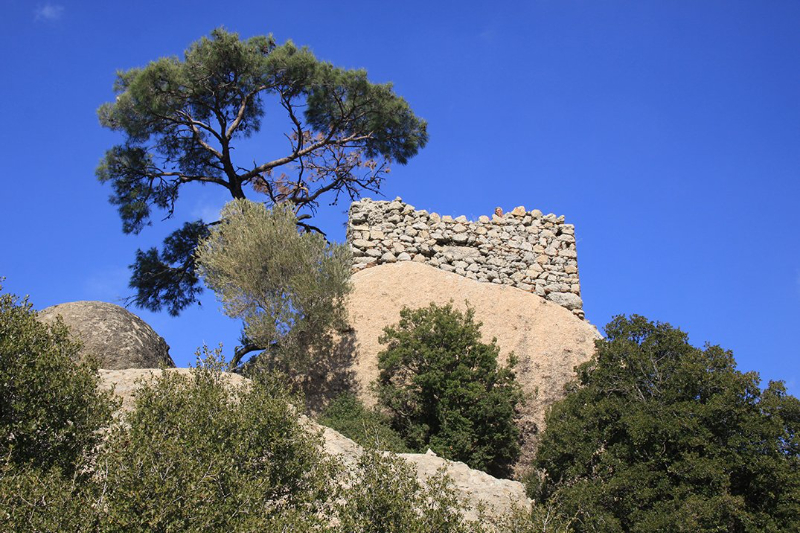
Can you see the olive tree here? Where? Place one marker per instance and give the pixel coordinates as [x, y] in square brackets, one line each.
[287, 287]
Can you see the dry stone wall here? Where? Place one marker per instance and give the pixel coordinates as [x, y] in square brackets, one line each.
[525, 249]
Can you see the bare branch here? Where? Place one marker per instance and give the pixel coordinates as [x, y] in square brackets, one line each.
[197, 137]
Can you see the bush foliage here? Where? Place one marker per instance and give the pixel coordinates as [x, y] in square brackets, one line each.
[368, 427]
[657, 435]
[51, 420]
[445, 389]
[198, 454]
[386, 497]
[50, 407]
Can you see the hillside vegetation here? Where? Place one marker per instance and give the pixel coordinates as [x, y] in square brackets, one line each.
[655, 435]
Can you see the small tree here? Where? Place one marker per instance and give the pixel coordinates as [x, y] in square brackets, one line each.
[445, 389]
[657, 435]
[182, 121]
[287, 287]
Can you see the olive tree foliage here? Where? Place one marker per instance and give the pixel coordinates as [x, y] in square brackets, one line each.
[288, 287]
[182, 120]
[657, 435]
[445, 389]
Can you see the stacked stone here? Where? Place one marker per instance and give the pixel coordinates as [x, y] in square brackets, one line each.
[525, 249]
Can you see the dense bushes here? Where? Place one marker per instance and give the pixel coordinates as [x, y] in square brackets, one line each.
[195, 454]
[657, 435]
[198, 454]
[445, 389]
[50, 407]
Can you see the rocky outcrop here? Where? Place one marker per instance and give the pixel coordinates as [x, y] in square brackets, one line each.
[472, 486]
[113, 335]
[547, 339]
[524, 249]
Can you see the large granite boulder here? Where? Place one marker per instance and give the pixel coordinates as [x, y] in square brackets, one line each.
[547, 338]
[115, 336]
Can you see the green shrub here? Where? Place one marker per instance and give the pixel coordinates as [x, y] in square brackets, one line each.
[657, 435]
[386, 497]
[445, 389]
[32, 500]
[198, 454]
[540, 518]
[368, 427]
[51, 410]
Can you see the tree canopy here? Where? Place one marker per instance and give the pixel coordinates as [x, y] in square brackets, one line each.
[657, 435]
[182, 119]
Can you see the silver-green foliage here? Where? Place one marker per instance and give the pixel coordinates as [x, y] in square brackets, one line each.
[287, 287]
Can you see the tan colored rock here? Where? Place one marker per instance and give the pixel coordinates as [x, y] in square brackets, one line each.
[473, 486]
[548, 340]
[112, 334]
[519, 211]
[125, 382]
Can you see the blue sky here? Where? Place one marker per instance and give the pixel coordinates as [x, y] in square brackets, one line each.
[667, 132]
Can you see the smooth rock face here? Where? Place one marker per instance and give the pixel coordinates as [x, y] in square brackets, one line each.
[472, 486]
[547, 339]
[115, 336]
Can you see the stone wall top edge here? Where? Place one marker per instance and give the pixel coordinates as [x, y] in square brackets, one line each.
[517, 212]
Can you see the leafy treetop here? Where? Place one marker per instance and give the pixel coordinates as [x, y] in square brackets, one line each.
[657, 435]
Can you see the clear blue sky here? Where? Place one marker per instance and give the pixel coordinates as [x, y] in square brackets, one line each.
[667, 132]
